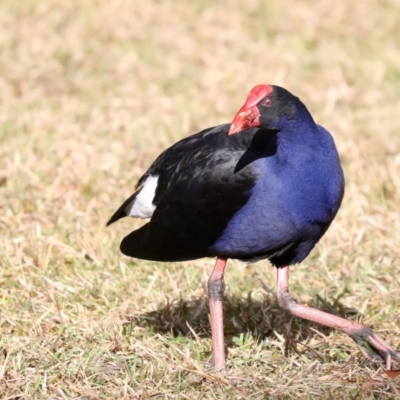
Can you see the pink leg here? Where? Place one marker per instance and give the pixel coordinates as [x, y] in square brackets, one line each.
[372, 345]
[216, 287]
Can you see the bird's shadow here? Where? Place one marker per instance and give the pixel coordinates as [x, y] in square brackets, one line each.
[260, 318]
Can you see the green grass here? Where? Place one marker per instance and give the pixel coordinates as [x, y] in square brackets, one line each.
[90, 93]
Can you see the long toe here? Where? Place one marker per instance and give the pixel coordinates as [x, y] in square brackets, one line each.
[374, 347]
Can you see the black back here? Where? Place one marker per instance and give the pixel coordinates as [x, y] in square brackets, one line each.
[203, 181]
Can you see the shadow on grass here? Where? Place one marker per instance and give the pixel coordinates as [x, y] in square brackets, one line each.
[241, 316]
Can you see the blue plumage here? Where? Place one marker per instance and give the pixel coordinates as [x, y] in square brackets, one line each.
[269, 190]
[266, 186]
[296, 195]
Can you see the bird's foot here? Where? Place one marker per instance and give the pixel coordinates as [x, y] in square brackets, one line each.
[220, 366]
[374, 347]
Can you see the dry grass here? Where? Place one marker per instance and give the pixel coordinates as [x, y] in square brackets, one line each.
[90, 92]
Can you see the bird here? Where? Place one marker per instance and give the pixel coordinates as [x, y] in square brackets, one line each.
[265, 186]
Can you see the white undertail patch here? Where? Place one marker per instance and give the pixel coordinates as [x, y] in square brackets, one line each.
[142, 205]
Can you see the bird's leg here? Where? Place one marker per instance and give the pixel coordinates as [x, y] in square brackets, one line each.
[216, 287]
[371, 345]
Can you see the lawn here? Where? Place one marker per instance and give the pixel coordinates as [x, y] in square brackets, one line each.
[90, 93]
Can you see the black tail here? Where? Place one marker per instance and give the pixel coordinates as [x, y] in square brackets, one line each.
[132, 245]
[121, 213]
[138, 245]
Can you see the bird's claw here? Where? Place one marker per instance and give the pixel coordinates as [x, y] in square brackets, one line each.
[374, 347]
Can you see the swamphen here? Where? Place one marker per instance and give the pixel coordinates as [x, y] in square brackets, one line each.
[268, 185]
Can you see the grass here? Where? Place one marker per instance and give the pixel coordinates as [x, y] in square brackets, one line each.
[90, 93]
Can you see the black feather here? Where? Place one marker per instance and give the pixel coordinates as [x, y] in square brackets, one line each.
[121, 213]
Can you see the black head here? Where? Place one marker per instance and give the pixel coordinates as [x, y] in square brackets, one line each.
[270, 107]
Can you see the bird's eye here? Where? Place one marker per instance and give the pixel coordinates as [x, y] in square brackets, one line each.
[267, 102]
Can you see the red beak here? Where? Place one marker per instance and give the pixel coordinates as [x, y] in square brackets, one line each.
[245, 120]
[249, 116]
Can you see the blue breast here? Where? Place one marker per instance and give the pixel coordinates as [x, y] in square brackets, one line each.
[294, 200]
